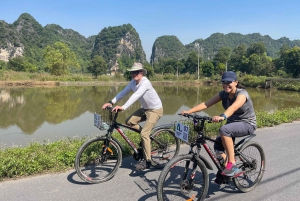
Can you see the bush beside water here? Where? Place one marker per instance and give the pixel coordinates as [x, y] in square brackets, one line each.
[59, 156]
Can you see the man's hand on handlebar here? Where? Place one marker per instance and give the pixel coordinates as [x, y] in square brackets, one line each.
[106, 105]
[117, 108]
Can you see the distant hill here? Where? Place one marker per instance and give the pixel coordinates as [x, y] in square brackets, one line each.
[168, 47]
[209, 47]
[119, 41]
[26, 37]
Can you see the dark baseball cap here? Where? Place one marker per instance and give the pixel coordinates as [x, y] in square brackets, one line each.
[229, 76]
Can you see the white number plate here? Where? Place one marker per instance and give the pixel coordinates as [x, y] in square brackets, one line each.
[182, 131]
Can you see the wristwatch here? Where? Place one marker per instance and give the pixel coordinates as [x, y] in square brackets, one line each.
[111, 102]
[223, 115]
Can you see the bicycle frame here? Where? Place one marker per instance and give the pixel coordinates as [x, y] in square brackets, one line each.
[202, 142]
[117, 126]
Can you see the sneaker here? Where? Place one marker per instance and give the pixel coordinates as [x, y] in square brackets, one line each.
[143, 164]
[156, 165]
[231, 170]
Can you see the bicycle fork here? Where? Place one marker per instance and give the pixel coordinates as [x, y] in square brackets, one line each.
[188, 183]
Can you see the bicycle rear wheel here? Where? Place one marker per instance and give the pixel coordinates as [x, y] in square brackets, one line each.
[94, 166]
[253, 171]
[183, 178]
[164, 146]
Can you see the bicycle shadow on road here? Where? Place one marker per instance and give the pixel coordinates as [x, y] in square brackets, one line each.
[129, 162]
[214, 188]
[74, 179]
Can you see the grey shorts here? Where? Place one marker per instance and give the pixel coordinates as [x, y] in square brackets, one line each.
[235, 129]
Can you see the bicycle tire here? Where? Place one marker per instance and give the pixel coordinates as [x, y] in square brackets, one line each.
[171, 146]
[170, 180]
[90, 162]
[254, 152]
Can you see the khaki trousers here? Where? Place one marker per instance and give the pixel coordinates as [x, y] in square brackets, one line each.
[151, 117]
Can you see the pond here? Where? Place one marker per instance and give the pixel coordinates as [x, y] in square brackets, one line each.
[38, 114]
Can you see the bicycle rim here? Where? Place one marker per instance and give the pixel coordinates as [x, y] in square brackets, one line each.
[164, 146]
[173, 186]
[92, 165]
[252, 173]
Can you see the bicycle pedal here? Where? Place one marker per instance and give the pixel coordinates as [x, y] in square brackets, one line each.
[165, 158]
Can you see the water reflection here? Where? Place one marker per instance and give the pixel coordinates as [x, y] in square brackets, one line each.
[48, 113]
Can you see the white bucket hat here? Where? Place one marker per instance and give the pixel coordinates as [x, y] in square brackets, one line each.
[136, 67]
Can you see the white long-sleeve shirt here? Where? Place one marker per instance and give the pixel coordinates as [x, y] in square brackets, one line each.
[144, 92]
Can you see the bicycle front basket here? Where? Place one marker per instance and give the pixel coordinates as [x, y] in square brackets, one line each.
[104, 120]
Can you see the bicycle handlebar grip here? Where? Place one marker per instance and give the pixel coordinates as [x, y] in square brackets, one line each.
[109, 108]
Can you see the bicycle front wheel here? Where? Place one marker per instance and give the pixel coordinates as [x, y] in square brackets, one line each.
[93, 165]
[183, 178]
[252, 162]
[164, 146]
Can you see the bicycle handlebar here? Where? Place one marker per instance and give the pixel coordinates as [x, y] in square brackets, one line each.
[197, 117]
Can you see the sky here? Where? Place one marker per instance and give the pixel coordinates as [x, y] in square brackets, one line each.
[187, 19]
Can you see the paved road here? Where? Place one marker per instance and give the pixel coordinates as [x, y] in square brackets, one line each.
[281, 180]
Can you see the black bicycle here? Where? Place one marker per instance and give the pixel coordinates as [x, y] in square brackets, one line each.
[185, 177]
[98, 159]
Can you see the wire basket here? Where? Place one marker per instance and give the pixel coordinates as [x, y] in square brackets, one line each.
[103, 120]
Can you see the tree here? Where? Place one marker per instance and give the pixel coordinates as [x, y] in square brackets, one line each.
[292, 61]
[222, 56]
[191, 64]
[59, 58]
[207, 68]
[237, 58]
[124, 62]
[97, 66]
[21, 64]
[256, 48]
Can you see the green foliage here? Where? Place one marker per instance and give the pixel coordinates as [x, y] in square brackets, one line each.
[252, 81]
[38, 158]
[169, 65]
[60, 58]
[237, 58]
[2, 65]
[97, 66]
[291, 60]
[191, 64]
[222, 56]
[124, 63]
[256, 48]
[21, 64]
[207, 68]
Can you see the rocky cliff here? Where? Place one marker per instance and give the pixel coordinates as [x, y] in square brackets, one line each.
[113, 43]
[168, 47]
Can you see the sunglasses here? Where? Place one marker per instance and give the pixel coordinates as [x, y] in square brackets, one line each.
[227, 82]
[135, 72]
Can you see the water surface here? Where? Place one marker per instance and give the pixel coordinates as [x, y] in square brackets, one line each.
[29, 114]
